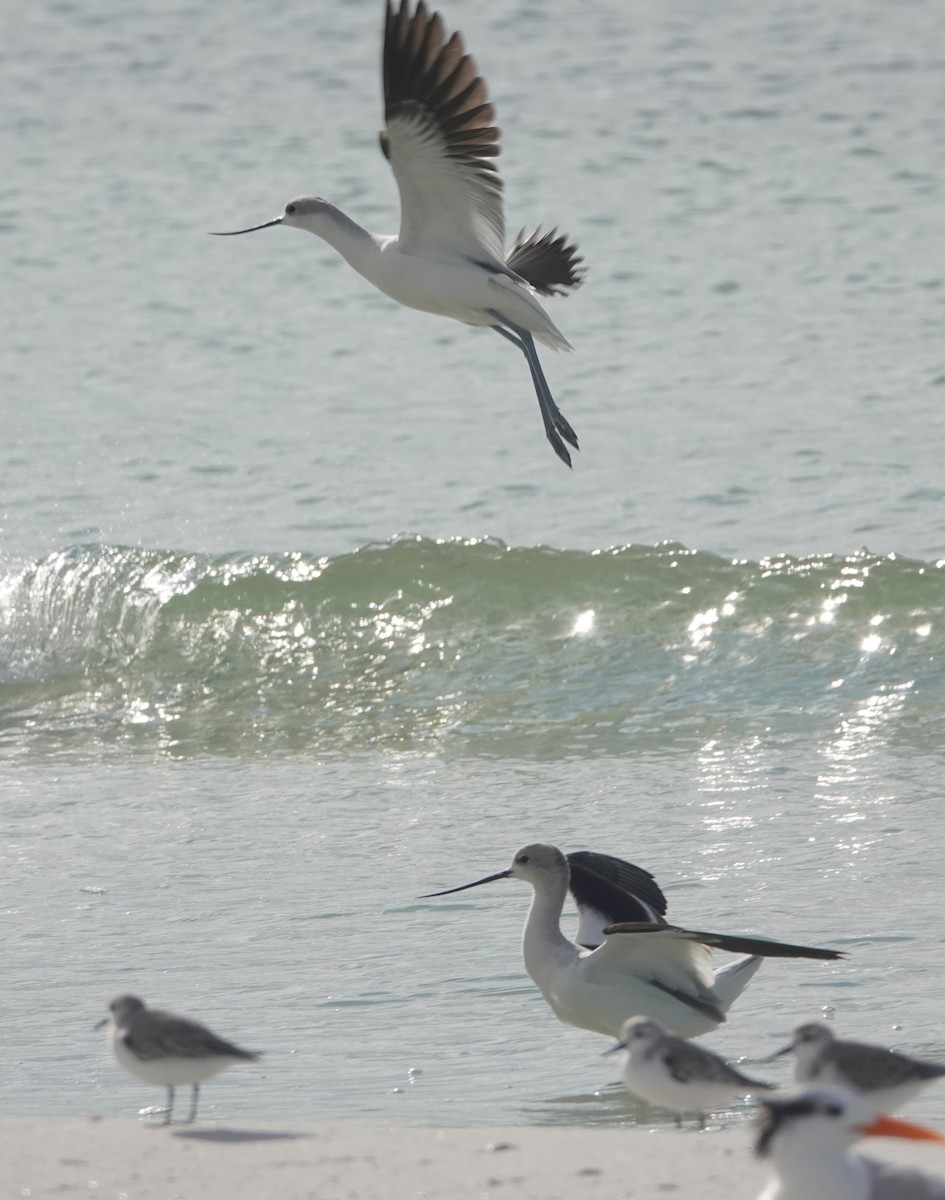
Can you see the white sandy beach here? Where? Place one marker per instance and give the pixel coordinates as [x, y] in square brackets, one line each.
[127, 1160]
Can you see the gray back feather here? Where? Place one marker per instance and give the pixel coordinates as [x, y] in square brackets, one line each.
[153, 1034]
[870, 1066]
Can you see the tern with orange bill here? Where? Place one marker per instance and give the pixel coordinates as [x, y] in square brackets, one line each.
[807, 1137]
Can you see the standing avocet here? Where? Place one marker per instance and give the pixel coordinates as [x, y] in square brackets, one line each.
[450, 256]
[643, 968]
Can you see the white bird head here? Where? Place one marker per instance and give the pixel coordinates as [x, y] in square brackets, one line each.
[535, 864]
[826, 1119]
[304, 212]
[122, 1007]
[807, 1042]
[538, 861]
[637, 1033]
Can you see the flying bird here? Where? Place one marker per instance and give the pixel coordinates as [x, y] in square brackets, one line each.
[450, 256]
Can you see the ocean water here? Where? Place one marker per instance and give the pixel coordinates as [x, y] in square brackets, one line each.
[300, 617]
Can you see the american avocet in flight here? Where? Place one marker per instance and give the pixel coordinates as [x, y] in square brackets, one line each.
[166, 1050]
[642, 968]
[885, 1078]
[808, 1135]
[669, 1071]
[450, 256]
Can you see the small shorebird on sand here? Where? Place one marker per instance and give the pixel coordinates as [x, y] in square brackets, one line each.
[166, 1050]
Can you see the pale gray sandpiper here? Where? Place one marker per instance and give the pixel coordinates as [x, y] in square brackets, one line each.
[675, 1074]
[807, 1135]
[885, 1077]
[167, 1050]
[643, 967]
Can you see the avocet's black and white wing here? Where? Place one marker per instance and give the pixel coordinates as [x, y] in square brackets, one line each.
[440, 141]
[736, 943]
[608, 890]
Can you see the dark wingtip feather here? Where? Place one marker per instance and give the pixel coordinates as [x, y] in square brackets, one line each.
[615, 887]
[547, 261]
[736, 943]
[431, 78]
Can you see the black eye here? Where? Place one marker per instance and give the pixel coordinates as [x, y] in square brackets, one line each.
[290, 209]
[833, 1110]
[523, 858]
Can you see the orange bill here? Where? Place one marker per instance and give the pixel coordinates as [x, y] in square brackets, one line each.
[894, 1127]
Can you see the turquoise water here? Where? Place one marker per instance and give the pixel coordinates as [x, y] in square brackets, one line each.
[301, 618]
[459, 648]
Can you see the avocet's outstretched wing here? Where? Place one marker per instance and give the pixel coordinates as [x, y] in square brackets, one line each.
[674, 960]
[678, 961]
[608, 889]
[440, 141]
[737, 943]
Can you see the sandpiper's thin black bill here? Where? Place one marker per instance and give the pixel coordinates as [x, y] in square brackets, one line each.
[466, 886]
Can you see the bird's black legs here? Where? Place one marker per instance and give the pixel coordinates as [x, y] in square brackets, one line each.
[556, 425]
[169, 1111]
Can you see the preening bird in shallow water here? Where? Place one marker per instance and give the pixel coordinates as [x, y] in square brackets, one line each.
[449, 257]
[807, 1136]
[167, 1050]
[885, 1078]
[644, 966]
